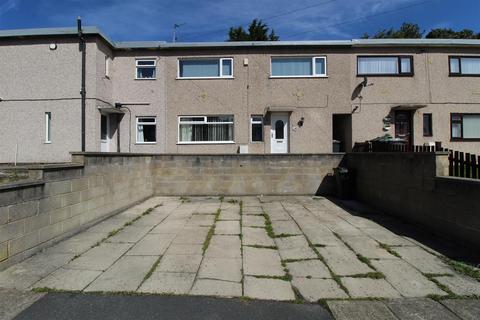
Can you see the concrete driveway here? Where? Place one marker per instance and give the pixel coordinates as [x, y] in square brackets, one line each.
[273, 248]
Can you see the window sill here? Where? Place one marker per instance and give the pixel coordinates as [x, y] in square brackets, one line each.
[205, 142]
[458, 75]
[145, 79]
[404, 75]
[47, 142]
[297, 77]
[145, 143]
[205, 78]
[465, 140]
[257, 142]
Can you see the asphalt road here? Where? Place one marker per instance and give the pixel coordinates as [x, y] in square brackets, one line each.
[116, 307]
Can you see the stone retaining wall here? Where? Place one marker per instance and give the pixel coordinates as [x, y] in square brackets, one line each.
[415, 187]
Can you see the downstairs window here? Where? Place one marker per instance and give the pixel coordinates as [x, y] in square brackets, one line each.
[205, 129]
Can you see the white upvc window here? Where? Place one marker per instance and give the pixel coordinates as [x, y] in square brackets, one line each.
[256, 128]
[108, 62]
[146, 69]
[205, 68]
[385, 65]
[298, 67]
[205, 129]
[48, 127]
[146, 128]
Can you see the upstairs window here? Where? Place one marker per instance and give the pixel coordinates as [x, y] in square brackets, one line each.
[385, 66]
[464, 66]
[205, 129]
[299, 67]
[465, 126]
[146, 69]
[205, 68]
[146, 130]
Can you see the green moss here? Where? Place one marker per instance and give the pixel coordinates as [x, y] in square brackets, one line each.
[389, 249]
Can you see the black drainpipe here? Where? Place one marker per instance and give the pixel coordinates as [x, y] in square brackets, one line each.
[83, 93]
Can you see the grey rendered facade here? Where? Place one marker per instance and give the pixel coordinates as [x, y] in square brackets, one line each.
[36, 79]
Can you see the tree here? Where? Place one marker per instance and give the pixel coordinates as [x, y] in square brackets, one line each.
[257, 31]
[407, 31]
[444, 33]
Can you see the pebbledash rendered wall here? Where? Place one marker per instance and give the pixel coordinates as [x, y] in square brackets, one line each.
[416, 188]
[71, 197]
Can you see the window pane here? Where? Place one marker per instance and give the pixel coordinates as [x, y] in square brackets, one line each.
[427, 124]
[320, 66]
[206, 132]
[226, 67]
[199, 68]
[145, 73]
[470, 65]
[378, 65]
[48, 125]
[456, 130]
[220, 119]
[146, 133]
[146, 119]
[257, 132]
[257, 119]
[145, 62]
[291, 66]
[454, 65]
[279, 126]
[103, 127]
[471, 126]
[190, 119]
[405, 65]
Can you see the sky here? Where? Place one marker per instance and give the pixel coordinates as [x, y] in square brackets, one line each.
[209, 20]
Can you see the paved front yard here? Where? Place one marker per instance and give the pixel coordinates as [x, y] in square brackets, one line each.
[274, 248]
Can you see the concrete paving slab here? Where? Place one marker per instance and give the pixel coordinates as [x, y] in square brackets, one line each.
[173, 283]
[227, 227]
[99, 258]
[208, 287]
[179, 263]
[278, 215]
[461, 285]
[256, 236]
[110, 224]
[130, 234]
[464, 309]
[369, 288]
[12, 302]
[268, 289]
[78, 243]
[68, 279]
[191, 235]
[152, 245]
[182, 249]
[308, 268]
[285, 227]
[326, 238]
[422, 260]
[230, 215]
[425, 309]
[170, 226]
[295, 247]
[367, 247]
[224, 246]
[150, 220]
[262, 262]
[227, 269]
[253, 221]
[406, 279]
[313, 290]
[125, 275]
[386, 236]
[26, 273]
[204, 220]
[360, 310]
[343, 261]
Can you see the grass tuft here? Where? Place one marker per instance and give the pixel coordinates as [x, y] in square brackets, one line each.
[389, 249]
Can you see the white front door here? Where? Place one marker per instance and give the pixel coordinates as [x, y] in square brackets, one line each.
[104, 133]
[279, 133]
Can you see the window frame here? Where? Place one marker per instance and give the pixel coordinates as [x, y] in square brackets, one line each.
[48, 127]
[461, 115]
[252, 122]
[137, 122]
[430, 127]
[313, 75]
[459, 73]
[154, 67]
[205, 121]
[108, 61]
[399, 65]
[220, 61]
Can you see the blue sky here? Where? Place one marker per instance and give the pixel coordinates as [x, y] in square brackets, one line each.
[209, 20]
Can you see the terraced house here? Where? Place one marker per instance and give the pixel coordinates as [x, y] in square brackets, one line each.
[229, 97]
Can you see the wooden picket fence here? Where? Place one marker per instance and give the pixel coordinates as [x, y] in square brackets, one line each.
[461, 164]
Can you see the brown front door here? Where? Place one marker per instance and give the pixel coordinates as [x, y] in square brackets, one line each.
[403, 126]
